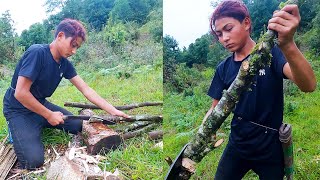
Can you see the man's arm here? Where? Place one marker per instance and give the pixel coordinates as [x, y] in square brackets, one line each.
[24, 96]
[214, 103]
[93, 97]
[285, 22]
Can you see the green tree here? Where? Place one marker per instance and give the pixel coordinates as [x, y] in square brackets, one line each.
[36, 34]
[260, 11]
[131, 10]
[7, 44]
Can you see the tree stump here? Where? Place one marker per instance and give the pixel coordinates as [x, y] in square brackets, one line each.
[99, 137]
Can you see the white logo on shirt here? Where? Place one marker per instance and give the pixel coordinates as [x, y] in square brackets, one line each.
[262, 72]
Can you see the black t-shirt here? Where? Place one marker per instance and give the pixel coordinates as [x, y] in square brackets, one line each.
[38, 65]
[262, 104]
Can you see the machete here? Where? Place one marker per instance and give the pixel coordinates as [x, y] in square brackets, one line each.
[91, 119]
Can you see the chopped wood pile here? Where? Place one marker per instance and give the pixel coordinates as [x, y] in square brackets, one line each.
[7, 158]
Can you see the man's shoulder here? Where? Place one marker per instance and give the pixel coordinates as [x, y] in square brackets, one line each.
[37, 48]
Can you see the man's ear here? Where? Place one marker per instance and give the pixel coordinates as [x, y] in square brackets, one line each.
[247, 23]
[60, 35]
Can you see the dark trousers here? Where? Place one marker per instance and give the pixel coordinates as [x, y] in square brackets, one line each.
[26, 129]
[234, 167]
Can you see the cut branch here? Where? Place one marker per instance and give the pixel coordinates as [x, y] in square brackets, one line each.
[153, 135]
[139, 132]
[126, 107]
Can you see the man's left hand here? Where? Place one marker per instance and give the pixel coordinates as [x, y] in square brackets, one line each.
[285, 22]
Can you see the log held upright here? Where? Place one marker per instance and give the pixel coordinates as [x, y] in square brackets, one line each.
[99, 137]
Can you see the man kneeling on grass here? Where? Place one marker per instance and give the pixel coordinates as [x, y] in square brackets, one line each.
[37, 75]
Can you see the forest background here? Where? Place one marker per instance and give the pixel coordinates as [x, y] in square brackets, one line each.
[188, 73]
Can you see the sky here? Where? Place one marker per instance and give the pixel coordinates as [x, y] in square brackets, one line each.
[186, 20]
[24, 13]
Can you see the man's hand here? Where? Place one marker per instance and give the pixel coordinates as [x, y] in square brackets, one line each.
[119, 113]
[55, 118]
[285, 22]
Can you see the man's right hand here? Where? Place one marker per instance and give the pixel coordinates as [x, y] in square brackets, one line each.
[55, 118]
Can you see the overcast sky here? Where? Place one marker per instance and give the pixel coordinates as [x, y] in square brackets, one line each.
[24, 12]
[186, 20]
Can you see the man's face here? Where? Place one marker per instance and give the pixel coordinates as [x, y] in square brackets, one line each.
[67, 47]
[231, 33]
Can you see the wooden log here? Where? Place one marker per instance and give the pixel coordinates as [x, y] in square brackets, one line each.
[7, 158]
[153, 135]
[99, 137]
[125, 107]
[139, 132]
[135, 126]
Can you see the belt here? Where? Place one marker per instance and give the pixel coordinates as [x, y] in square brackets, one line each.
[260, 125]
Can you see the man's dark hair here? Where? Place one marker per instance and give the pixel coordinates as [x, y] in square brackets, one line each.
[229, 8]
[71, 28]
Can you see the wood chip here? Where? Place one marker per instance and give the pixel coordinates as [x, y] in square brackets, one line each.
[189, 164]
[218, 143]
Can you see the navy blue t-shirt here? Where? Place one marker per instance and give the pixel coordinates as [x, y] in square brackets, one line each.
[38, 65]
[262, 104]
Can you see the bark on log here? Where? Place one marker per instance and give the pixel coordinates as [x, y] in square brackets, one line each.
[139, 132]
[126, 107]
[99, 137]
[153, 135]
[260, 57]
[135, 118]
[7, 158]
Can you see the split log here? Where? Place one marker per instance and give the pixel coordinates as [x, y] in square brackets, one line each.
[260, 57]
[7, 158]
[99, 137]
[139, 132]
[153, 135]
[126, 107]
[135, 118]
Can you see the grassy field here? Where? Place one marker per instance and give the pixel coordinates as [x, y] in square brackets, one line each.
[183, 117]
[140, 159]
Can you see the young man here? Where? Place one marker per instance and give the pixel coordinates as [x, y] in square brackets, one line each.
[254, 140]
[36, 77]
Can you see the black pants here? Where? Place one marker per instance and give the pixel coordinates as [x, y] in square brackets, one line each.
[26, 129]
[233, 167]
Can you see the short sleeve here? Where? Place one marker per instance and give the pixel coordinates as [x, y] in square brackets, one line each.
[217, 85]
[31, 64]
[70, 70]
[278, 61]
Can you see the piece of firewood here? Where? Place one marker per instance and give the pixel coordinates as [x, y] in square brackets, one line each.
[139, 132]
[125, 107]
[7, 159]
[153, 135]
[99, 137]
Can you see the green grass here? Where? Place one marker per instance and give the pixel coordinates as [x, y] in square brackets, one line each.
[183, 117]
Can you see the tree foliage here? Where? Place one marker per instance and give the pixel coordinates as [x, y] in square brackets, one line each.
[7, 42]
[36, 34]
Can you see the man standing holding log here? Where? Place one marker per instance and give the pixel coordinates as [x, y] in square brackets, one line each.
[254, 139]
[36, 77]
